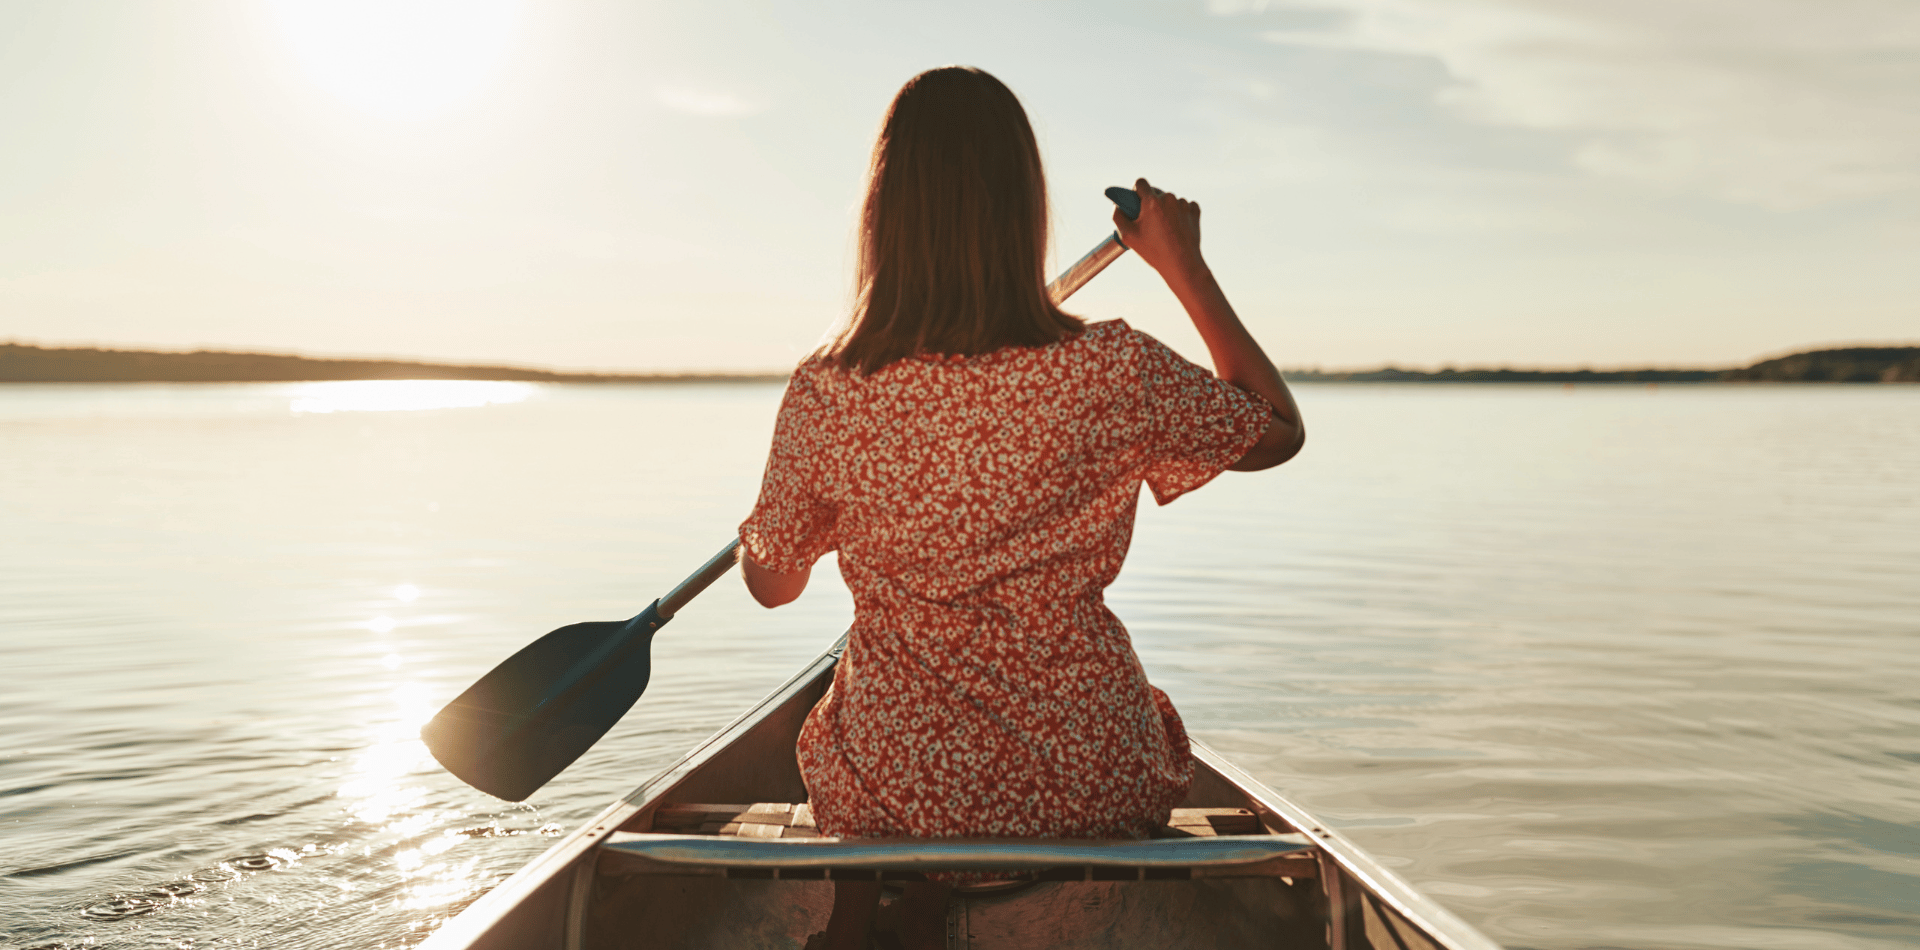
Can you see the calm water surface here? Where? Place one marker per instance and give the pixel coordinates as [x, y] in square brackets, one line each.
[1602, 667]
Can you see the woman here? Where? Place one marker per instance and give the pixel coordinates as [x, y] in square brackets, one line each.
[975, 455]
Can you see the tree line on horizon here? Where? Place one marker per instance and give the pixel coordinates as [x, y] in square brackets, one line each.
[1853, 364]
[25, 363]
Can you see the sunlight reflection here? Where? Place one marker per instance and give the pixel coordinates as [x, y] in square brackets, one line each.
[385, 793]
[406, 593]
[411, 825]
[380, 799]
[406, 395]
[381, 625]
[415, 705]
[439, 886]
[441, 844]
[382, 794]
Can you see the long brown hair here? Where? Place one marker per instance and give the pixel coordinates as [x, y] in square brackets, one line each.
[953, 235]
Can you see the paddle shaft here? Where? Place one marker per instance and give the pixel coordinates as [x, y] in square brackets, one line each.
[1062, 287]
[698, 581]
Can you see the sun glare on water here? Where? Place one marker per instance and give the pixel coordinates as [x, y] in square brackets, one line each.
[400, 59]
[405, 395]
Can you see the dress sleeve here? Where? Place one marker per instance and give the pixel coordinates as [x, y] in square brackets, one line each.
[792, 525]
[1199, 424]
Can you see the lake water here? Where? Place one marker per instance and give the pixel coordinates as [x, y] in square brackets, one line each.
[1595, 667]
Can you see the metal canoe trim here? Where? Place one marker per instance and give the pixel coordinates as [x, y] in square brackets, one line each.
[983, 854]
[480, 917]
[1391, 889]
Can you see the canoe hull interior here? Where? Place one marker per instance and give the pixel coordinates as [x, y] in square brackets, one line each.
[705, 912]
[586, 893]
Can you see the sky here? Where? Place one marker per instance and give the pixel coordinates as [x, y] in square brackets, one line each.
[672, 186]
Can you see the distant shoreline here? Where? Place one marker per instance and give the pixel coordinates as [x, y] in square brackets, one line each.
[25, 363]
[1853, 364]
[1396, 375]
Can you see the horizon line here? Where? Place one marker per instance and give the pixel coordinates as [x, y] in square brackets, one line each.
[1316, 369]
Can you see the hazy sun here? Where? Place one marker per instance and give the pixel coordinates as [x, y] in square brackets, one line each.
[400, 58]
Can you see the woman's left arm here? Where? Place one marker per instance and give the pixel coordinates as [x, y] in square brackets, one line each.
[772, 588]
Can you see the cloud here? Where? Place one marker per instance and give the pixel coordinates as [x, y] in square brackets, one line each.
[703, 101]
[1780, 103]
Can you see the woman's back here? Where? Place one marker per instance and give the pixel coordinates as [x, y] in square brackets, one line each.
[960, 482]
[980, 507]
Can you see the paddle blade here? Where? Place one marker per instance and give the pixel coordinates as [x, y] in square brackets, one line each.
[544, 706]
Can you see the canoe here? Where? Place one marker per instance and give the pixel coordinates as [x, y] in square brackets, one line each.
[719, 850]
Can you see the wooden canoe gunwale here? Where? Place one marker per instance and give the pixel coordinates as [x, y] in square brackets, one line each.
[546, 903]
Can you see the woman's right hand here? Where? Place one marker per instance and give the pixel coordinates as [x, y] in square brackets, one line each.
[1167, 233]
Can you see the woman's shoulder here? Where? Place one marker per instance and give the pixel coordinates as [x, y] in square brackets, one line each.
[1134, 354]
[1115, 339]
[822, 368]
[1105, 342]
[813, 365]
[1104, 331]
[1105, 356]
[814, 379]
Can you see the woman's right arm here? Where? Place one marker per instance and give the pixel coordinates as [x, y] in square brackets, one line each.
[791, 525]
[1167, 236]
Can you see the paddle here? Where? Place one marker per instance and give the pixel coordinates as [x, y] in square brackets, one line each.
[545, 706]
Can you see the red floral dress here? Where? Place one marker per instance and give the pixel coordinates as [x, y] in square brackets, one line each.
[980, 507]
